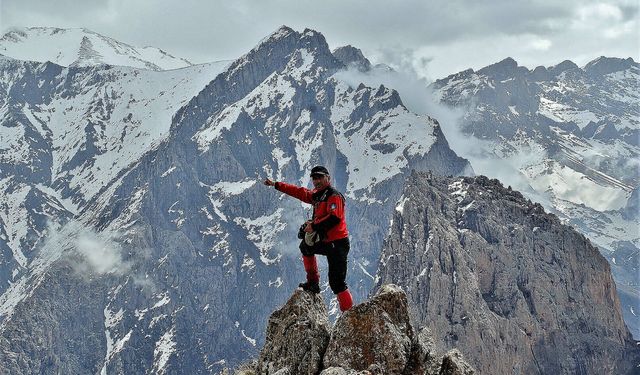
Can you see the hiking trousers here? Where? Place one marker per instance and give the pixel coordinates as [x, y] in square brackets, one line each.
[336, 253]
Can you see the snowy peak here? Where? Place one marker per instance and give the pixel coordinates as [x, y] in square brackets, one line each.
[563, 93]
[82, 47]
[280, 34]
[276, 49]
[282, 39]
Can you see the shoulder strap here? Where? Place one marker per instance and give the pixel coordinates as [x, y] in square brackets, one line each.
[330, 191]
[336, 192]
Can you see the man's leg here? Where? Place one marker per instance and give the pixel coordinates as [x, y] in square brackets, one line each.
[337, 260]
[311, 268]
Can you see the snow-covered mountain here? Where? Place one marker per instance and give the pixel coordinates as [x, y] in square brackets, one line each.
[567, 137]
[82, 47]
[65, 133]
[134, 225]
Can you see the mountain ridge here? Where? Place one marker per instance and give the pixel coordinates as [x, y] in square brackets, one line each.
[601, 65]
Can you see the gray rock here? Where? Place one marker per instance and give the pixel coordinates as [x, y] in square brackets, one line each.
[351, 56]
[374, 333]
[342, 371]
[377, 336]
[297, 337]
[606, 65]
[454, 364]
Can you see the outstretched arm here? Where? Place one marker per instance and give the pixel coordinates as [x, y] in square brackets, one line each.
[299, 192]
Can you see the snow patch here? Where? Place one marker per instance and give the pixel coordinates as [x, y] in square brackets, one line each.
[263, 232]
[165, 347]
[377, 148]
[401, 202]
[166, 173]
[224, 189]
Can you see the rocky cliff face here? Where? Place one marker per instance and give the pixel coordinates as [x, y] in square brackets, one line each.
[514, 289]
[374, 337]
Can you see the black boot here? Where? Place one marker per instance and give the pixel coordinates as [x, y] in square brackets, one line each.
[310, 287]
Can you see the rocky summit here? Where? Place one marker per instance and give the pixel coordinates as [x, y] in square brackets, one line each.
[374, 337]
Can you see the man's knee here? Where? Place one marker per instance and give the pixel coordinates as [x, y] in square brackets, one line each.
[337, 286]
[305, 249]
[337, 281]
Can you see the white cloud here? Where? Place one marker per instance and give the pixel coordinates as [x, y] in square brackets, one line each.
[598, 13]
[100, 253]
[541, 44]
[88, 251]
[418, 98]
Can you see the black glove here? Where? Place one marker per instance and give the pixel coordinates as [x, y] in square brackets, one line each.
[301, 231]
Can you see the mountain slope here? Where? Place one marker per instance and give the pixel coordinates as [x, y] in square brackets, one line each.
[67, 132]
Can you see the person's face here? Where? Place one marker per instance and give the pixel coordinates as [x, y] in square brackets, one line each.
[320, 181]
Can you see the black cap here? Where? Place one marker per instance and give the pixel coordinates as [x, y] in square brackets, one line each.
[319, 170]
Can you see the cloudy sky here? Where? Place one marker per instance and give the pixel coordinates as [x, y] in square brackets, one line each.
[434, 38]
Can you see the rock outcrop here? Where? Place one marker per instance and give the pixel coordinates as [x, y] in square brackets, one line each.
[375, 337]
[297, 336]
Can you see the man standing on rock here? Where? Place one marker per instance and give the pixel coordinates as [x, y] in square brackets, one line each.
[326, 234]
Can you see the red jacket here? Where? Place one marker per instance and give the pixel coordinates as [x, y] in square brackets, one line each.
[328, 209]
